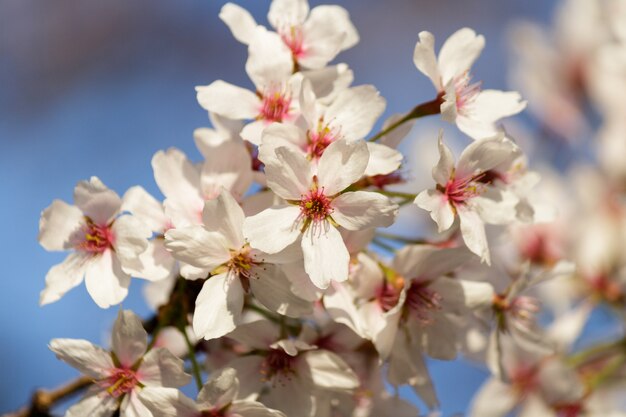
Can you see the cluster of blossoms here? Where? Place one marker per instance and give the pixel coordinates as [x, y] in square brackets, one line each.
[267, 259]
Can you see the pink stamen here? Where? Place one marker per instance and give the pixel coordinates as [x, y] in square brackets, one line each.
[122, 381]
[97, 238]
[318, 142]
[275, 107]
[524, 309]
[524, 380]
[294, 39]
[315, 206]
[466, 93]
[387, 296]
[422, 301]
[278, 366]
[459, 190]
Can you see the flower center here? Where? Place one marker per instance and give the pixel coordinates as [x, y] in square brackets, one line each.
[318, 141]
[275, 107]
[315, 206]
[213, 413]
[121, 382]
[388, 294]
[240, 264]
[422, 301]
[465, 92]
[293, 38]
[97, 238]
[278, 364]
[569, 410]
[524, 379]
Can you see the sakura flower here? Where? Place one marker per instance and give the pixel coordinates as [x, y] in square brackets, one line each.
[475, 112]
[219, 248]
[218, 398]
[104, 241]
[314, 38]
[316, 206]
[469, 192]
[118, 376]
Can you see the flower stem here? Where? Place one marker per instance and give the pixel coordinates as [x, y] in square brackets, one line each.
[195, 367]
[402, 239]
[406, 196]
[421, 110]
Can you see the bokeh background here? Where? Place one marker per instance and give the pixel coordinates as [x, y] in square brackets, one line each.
[91, 87]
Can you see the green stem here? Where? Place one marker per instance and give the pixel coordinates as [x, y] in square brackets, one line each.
[406, 196]
[402, 239]
[192, 357]
[383, 245]
[580, 358]
[421, 110]
[613, 366]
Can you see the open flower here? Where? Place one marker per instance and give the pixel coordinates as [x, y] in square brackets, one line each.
[105, 244]
[316, 206]
[118, 376]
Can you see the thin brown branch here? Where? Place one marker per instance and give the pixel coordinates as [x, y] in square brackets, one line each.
[43, 400]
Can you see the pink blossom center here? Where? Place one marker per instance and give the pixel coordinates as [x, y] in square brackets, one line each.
[524, 379]
[275, 107]
[278, 364]
[214, 413]
[387, 296]
[459, 190]
[318, 141]
[315, 206]
[241, 264]
[293, 38]
[465, 92]
[569, 410]
[97, 238]
[422, 301]
[122, 381]
[524, 309]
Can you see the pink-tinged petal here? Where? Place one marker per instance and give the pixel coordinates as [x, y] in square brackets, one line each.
[486, 154]
[144, 207]
[339, 304]
[325, 255]
[355, 111]
[228, 100]
[383, 159]
[329, 371]
[458, 53]
[63, 277]
[271, 288]
[273, 229]
[224, 215]
[299, 391]
[99, 404]
[228, 166]
[106, 282]
[362, 210]
[444, 169]
[129, 339]
[382, 328]
[253, 131]
[406, 365]
[301, 284]
[257, 334]
[494, 399]
[473, 232]
[474, 128]
[90, 360]
[198, 247]
[425, 60]
[288, 173]
[338, 21]
[168, 402]
[328, 82]
[253, 409]
[160, 368]
[132, 406]
[429, 262]
[279, 134]
[249, 374]
[177, 178]
[439, 207]
[477, 294]
[191, 272]
[269, 60]
[342, 164]
[287, 13]
[154, 264]
[493, 105]
[58, 225]
[96, 201]
[239, 21]
[220, 390]
[496, 206]
[320, 39]
[131, 238]
[218, 307]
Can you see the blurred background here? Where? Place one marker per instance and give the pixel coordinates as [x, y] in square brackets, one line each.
[91, 87]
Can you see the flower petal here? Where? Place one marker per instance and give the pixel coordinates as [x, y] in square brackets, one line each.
[458, 53]
[131, 238]
[439, 207]
[106, 282]
[287, 13]
[98, 404]
[269, 60]
[272, 289]
[273, 229]
[342, 164]
[425, 60]
[325, 255]
[239, 21]
[168, 402]
[355, 111]
[362, 210]
[198, 247]
[224, 215]
[96, 201]
[288, 174]
[160, 368]
[145, 207]
[177, 178]
[228, 100]
[220, 390]
[473, 232]
[129, 339]
[63, 277]
[329, 371]
[218, 307]
[58, 224]
[89, 359]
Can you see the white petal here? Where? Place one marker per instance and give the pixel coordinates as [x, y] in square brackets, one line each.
[328, 82]
[299, 391]
[493, 105]
[473, 232]
[362, 210]
[228, 100]
[287, 13]
[269, 60]
[58, 224]
[355, 111]
[425, 60]
[176, 177]
[228, 166]
[495, 399]
[257, 334]
[63, 277]
[144, 207]
[168, 402]
[129, 339]
[342, 164]
[477, 294]
[437, 204]
[224, 215]
[90, 360]
[326, 32]
[100, 404]
[288, 174]
[330, 371]
[272, 289]
[154, 264]
[198, 247]
[96, 201]
[338, 18]
[239, 21]
[442, 172]
[253, 131]
[131, 238]
[254, 409]
[325, 255]
[248, 369]
[383, 159]
[486, 154]
[160, 368]
[429, 262]
[218, 307]
[458, 53]
[279, 134]
[106, 282]
[220, 390]
[273, 229]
